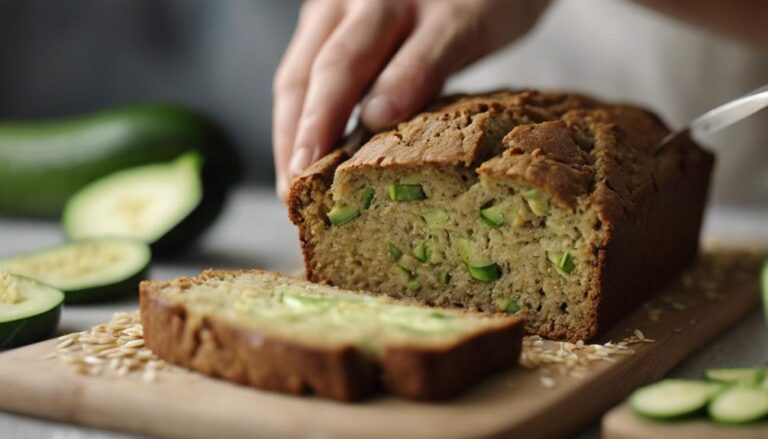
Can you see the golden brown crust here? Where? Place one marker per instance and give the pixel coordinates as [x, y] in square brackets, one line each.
[457, 130]
[440, 374]
[658, 240]
[592, 157]
[246, 356]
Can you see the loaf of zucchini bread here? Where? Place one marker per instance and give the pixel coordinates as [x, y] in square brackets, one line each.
[553, 206]
[286, 334]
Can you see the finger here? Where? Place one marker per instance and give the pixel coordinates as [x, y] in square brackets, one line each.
[345, 66]
[420, 68]
[285, 114]
[316, 24]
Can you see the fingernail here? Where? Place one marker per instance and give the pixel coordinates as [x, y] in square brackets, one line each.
[380, 110]
[282, 187]
[301, 159]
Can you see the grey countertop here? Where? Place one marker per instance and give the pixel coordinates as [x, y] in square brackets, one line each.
[254, 232]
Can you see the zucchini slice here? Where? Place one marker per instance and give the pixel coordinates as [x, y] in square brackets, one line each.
[485, 273]
[493, 216]
[744, 375]
[367, 197]
[672, 399]
[537, 205]
[406, 192]
[87, 270]
[436, 217]
[421, 252]
[341, 214]
[150, 203]
[739, 405]
[29, 310]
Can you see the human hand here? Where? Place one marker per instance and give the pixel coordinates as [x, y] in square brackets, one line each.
[404, 50]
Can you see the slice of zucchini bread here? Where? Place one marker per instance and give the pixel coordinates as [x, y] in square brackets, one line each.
[290, 335]
[552, 206]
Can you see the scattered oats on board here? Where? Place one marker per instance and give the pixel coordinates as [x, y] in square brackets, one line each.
[564, 359]
[110, 349]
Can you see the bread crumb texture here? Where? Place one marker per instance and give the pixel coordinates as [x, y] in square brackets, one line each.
[551, 206]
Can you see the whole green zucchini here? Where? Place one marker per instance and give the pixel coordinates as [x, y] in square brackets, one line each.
[43, 163]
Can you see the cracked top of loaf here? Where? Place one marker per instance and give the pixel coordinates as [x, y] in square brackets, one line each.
[582, 151]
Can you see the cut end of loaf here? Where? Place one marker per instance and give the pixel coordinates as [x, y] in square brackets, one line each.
[510, 202]
[481, 244]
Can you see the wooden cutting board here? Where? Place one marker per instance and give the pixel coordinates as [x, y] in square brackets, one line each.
[183, 404]
[622, 423]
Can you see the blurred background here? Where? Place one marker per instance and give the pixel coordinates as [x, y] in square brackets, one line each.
[64, 58]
